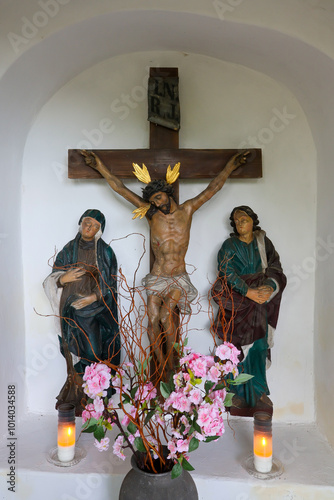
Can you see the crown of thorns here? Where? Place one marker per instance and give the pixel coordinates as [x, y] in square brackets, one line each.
[143, 175]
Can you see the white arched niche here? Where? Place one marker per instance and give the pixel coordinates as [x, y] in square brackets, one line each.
[222, 105]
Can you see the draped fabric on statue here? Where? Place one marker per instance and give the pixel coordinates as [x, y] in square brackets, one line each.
[91, 332]
[249, 265]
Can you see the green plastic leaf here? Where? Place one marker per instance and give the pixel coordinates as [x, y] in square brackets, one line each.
[99, 433]
[133, 391]
[185, 343]
[107, 425]
[132, 428]
[196, 427]
[171, 382]
[242, 378]
[126, 398]
[208, 386]
[219, 387]
[138, 442]
[90, 425]
[149, 416]
[165, 390]
[194, 444]
[176, 470]
[228, 399]
[186, 465]
[211, 438]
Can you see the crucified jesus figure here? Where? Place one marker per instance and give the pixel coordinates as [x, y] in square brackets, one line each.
[168, 285]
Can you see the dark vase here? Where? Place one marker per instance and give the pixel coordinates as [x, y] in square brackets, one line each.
[140, 485]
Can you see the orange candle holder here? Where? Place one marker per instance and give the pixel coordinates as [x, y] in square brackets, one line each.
[66, 432]
[263, 448]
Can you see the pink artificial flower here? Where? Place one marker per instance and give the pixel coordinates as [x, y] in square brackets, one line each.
[172, 448]
[184, 421]
[118, 447]
[189, 357]
[214, 374]
[125, 420]
[105, 380]
[218, 397]
[133, 411]
[210, 360]
[176, 433]
[203, 414]
[98, 405]
[117, 383]
[153, 442]
[210, 420]
[195, 396]
[170, 400]
[182, 445]
[228, 367]
[223, 351]
[89, 372]
[234, 353]
[199, 367]
[159, 419]
[90, 409]
[131, 438]
[97, 379]
[111, 404]
[102, 445]
[128, 364]
[146, 392]
[181, 403]
[199, 436]
[85, 416]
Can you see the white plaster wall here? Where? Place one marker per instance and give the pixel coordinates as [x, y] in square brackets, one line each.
[222, 105]
[29, 22]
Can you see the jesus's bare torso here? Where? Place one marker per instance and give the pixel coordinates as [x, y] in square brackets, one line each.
[169, 240]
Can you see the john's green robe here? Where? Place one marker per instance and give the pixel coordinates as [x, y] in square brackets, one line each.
[249, 265]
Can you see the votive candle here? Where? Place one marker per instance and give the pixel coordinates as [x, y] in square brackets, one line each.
[263, 448]
[66, 432]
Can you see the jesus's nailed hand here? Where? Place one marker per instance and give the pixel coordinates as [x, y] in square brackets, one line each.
[90, 158]
[241, 158]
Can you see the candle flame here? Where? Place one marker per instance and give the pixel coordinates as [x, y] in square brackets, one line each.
[66, 435]
[264, 442]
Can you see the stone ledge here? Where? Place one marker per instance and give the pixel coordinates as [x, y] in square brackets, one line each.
[307, 458]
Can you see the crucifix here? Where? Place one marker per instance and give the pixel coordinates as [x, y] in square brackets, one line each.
[169, 222]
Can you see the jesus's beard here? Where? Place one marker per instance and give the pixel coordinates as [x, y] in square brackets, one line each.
[165, 209]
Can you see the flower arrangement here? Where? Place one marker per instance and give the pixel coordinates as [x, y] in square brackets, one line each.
[187, 410]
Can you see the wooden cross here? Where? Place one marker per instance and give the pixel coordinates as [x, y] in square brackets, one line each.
[164, 150]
